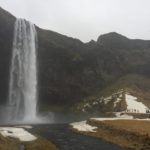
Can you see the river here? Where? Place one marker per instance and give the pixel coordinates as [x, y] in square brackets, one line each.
[65, 139]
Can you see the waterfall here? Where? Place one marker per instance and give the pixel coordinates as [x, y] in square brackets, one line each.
[23, 72]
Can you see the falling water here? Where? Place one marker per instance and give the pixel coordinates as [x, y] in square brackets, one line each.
[23, 72]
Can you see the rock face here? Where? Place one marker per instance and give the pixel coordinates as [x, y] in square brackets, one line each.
[6, 37]
[70, 70]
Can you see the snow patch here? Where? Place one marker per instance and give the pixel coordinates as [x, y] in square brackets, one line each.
[95, 103]
[121, 118]
[107, 99]
[117, 101]
[134, 105]
[83, 110]
[118, 117]
[86, 105]
[19, 133]
[83, 126]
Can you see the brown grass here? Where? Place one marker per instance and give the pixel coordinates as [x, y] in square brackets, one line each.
[136, 126]
[40, 144]
[130, 134]
[7, 143]
[137, 85]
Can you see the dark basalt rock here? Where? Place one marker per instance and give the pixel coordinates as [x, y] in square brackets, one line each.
[6, 37]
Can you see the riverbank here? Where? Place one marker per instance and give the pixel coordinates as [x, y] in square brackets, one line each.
[130, 134]
[7, 143]
[12, 143]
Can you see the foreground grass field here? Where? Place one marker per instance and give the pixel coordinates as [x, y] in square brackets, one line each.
[131, 134]
[7, 143]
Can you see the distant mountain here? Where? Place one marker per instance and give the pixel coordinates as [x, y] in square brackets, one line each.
[70, 70]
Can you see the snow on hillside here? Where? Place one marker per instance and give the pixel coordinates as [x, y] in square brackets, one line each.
[133, 105]
[120, 101]
[117, 101]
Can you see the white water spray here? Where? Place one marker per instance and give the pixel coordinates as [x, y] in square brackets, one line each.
[23, 73]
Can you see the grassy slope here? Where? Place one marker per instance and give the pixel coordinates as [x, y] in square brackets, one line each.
[7, 143]
[137, 85]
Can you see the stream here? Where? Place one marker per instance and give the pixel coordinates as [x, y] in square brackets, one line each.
[65, 139]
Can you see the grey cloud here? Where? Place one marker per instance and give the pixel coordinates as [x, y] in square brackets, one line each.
[86, 19]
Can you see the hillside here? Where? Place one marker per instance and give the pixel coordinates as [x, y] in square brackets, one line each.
[128, 94]
[70, 70]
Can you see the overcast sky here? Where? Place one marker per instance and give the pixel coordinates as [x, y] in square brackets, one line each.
[85, 19]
